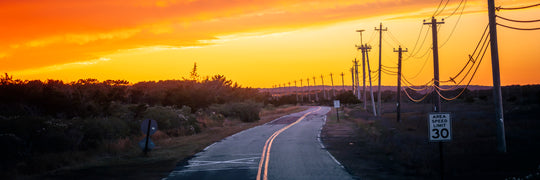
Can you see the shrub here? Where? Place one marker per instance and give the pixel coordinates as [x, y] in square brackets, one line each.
[247, 111]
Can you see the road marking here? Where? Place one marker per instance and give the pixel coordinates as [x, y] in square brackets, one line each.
[265, 156]
[250, 160]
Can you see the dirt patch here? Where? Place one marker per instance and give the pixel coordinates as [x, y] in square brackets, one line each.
[381, 148]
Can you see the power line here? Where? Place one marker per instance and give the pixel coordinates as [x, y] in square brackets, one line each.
[455, 10]
[444, 7]
[519, 21]
[455, 25]
[516, 28]
[516, 8]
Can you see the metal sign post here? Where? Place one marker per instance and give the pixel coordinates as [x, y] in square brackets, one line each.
[440, 130]
[148, 127]
[336, 105]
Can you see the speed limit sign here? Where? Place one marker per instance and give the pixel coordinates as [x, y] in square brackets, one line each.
[440, 127]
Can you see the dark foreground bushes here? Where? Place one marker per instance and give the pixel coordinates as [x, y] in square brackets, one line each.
[247, 111]
[39, 120]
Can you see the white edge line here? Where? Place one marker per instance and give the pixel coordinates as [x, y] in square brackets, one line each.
[324, 148]
[207, 147]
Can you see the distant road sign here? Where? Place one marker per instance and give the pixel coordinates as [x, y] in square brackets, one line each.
[151, 144]
[336, 104]
[440, 127]
[153, 126]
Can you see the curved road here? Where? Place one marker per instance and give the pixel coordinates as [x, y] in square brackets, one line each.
[286, 148]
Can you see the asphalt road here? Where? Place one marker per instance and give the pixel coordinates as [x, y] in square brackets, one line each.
[291, 146]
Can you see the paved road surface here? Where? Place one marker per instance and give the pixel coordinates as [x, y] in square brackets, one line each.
[292, 150]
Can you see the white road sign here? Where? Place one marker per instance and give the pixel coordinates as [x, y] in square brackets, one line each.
[336, 103]
[440, 127]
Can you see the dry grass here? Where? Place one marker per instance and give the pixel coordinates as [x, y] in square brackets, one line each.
[123, 159]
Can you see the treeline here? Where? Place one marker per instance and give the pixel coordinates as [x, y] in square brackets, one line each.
[90, 97]
[40, 117]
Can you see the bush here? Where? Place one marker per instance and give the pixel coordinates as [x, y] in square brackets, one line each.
[247, 111]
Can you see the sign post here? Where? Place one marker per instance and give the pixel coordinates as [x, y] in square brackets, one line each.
[336, 105]
[148, 127]
[440, 130]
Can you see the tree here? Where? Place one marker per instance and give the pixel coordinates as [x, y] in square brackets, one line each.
[194, 75]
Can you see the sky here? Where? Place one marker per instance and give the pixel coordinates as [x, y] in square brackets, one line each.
[257, 43]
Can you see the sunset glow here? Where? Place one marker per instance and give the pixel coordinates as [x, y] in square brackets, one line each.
[255, 43]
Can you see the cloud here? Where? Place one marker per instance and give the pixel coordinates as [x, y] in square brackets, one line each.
[45, 33]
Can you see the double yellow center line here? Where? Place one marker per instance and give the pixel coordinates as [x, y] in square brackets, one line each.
[265, 157]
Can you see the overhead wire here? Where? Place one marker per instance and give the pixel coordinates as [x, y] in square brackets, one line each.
[417, 100]
[455, 25]
[470, 80]
[444, 7]
[413, 52]
[519, 21]
[455, 10]
[438, 7]
[482, 49]
[516, 28]
[516, 8]
[422, 68]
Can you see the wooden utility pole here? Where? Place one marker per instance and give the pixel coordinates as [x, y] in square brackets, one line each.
[364, 80]
[308, 90]
[363, 72]
[356, 80]
[352, 78]
[315, 87]
[380, 66]
[342, 81]
[497, 95]
[296, 90]
[302, 91]
[365, 57]
[333, 89]
[324, 91]
[289, 89]
[400, 55]
[436, 97]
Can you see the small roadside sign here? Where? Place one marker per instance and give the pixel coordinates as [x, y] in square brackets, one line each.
[149, 130]
[151, 144]
[148, 127]
[440, 127]
[336, 104]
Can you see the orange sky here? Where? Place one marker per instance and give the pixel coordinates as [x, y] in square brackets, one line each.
[256, 43]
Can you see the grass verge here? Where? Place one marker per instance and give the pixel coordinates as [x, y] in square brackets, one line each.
[164, 158]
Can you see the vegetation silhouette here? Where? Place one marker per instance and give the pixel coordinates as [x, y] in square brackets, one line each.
[43, 117]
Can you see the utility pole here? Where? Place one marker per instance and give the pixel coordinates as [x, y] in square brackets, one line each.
[308, 90]
[333, 89]
[352, 78]
[400, 56]
[342, 81]
[296, 91]
[324, 91]
[436, 97]
[380, 66]
[357, 81]
[363, 72]
[365, 49]
[285, 90]
[315, 87]
[497, 95]
[302, 91]
[289, 89]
